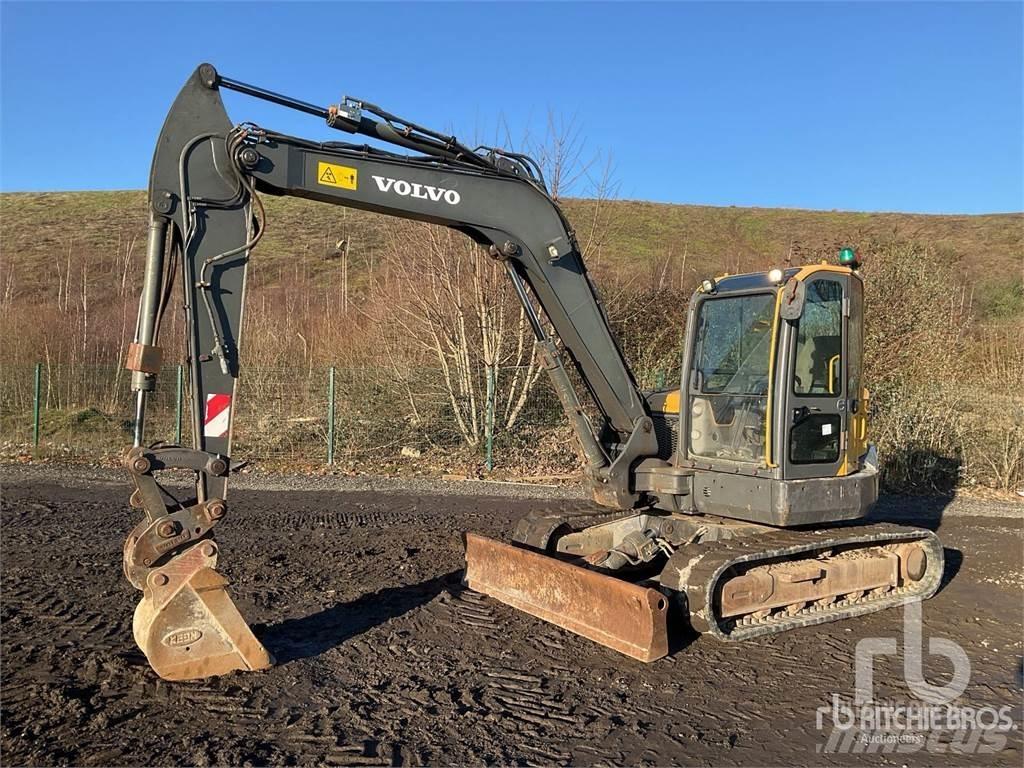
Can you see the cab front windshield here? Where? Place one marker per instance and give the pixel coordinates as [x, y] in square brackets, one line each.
[729, 379]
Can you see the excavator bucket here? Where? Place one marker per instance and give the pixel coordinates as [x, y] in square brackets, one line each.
[187, 624]
[625, 617]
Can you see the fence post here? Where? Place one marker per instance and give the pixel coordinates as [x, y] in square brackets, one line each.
[330, 416]
[178, 390]
[489, 420]
[35, 406]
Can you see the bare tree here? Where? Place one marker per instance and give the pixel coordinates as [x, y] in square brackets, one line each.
[441, 301]
[437, 298]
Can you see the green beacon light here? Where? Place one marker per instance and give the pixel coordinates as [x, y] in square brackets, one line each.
[848, 258]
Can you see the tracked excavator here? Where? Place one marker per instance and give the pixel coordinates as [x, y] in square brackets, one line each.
[738, 497]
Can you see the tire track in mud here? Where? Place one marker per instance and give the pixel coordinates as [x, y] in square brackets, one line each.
[535, 704]
[230, 707]
[56, 622]
[338, 519]
[473, 610]
[524, 697]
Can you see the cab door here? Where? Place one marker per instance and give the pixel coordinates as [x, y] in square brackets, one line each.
[817, 398]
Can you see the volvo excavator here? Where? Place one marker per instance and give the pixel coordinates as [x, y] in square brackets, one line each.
[738, 498]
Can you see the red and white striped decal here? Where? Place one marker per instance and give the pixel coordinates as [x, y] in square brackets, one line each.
[218, 414]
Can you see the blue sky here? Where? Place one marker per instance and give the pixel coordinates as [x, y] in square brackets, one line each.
[905, 107]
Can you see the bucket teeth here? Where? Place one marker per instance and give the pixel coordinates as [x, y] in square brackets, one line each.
[627, 617]
[187, 624]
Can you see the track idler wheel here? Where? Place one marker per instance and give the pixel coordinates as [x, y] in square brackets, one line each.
[187, 624]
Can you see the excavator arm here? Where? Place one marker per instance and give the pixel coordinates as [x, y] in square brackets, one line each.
[206, 175]
[206, 217]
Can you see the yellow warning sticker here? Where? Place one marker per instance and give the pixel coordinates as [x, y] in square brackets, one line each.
[332, 175]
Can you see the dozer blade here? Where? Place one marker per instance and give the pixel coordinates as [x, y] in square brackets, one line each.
[187, 625]
[617, 614]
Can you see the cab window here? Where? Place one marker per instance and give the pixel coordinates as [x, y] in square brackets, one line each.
[729, 378]
[818, 366]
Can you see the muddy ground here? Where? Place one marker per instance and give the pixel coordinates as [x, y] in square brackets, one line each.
[385, 660]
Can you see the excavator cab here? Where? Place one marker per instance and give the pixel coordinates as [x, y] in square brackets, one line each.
[772, 374]
[770, 394]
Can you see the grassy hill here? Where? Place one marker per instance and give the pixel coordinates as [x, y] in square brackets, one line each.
[38, 231]
[946, 299]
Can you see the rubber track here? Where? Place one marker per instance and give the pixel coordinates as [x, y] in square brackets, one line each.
[695, 571]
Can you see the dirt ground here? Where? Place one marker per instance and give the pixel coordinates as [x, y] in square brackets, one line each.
[384, 659]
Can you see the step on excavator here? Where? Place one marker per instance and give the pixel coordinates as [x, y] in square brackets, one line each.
[739, 497]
